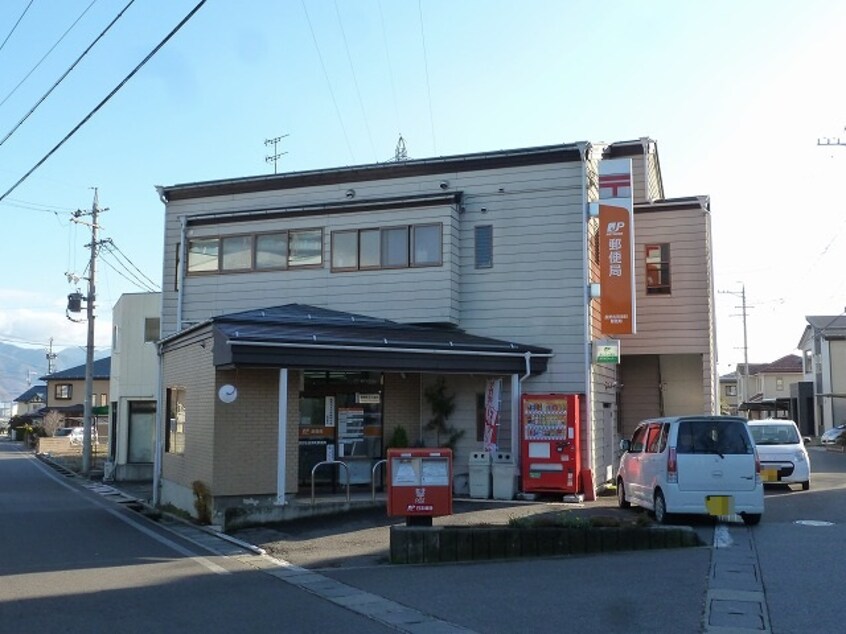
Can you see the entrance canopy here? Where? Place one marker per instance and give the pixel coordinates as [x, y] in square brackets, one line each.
[307, 337]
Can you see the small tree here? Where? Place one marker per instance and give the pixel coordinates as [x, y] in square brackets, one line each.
[442, 404]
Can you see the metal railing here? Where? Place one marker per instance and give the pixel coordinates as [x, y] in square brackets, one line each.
[373, 478]
[331, 462]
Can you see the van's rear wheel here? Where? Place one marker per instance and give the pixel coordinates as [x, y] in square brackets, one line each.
[751, 519]
[622, 502]
[806, 485]
[660, 506]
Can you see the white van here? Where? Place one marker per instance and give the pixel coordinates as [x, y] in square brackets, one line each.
[704, 465]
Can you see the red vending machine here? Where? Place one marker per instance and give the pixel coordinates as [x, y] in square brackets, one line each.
[549, 445]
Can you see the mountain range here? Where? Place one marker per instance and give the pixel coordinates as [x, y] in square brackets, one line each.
[21, 368]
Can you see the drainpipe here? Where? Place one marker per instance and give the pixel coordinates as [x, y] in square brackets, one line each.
[588, 358]
[180, 274]
[159, 445]
[516, 392]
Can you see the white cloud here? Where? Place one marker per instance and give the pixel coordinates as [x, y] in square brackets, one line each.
[36, 327]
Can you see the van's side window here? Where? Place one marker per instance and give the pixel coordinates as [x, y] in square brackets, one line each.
[638, 440]
[665, 433]
[653, 438]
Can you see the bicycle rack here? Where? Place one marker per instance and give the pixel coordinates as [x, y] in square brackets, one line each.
[330, 462]
[373, 478]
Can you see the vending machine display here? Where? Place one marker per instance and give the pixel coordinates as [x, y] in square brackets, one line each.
[550, 455]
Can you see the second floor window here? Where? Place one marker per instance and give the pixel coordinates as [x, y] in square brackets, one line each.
[151, 329]
[63, 391]
[387, 248]
[657, 269]
[280, 250]
[731, 390]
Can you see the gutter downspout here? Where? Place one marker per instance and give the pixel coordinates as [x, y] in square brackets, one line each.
[180, 275]
[159, 444]
[588, 359]
[516, 393]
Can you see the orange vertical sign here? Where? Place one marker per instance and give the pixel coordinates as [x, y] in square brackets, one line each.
[616, 273]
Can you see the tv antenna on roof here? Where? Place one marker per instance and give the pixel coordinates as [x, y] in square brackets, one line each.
[275, 156]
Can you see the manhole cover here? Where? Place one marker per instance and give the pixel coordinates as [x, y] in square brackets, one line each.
[813, 523]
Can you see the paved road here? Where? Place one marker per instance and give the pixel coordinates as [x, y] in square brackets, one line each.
[73, 561]
[126, 573]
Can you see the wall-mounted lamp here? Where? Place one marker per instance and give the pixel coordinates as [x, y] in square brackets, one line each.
[444, 184]
[595, 290]
[484, 210]
[350, 193]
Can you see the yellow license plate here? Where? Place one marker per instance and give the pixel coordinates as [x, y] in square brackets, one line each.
[769, 475]
[719, 504]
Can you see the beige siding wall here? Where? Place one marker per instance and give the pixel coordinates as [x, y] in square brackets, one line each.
[429, 294]
[681, 322]
[99, 387]
[538, 228]
[683, 389]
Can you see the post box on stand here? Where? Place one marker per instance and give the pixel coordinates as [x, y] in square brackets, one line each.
[549, 444]
[419, 483]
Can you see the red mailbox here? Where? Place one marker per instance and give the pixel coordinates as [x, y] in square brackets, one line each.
[419, 482]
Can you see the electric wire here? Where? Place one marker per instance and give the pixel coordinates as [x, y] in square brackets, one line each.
[106, 99]
[390, 67]
[426, 68]
[34, 68]
[355, 81]
[131, 272]
[14, 28]
[127, 275]
[328, 82]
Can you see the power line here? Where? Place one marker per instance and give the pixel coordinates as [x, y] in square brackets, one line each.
[355, 80]
[132, 273]
[33, 69]
[426, 67]
[106, 99]
[390, 67]
[328, 83]
[14, 28]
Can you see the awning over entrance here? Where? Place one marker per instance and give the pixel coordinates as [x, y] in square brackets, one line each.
[307, 337]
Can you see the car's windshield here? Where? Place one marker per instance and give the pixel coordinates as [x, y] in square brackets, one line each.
[713, 436]
[774, 434]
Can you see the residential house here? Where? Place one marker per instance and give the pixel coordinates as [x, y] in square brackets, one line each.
[729, 397]
[823, 347]
[304, 316]
[30, 402]
[66, 395]
[766, 387]
[133, 386]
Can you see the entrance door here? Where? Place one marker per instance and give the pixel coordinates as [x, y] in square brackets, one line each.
[340, 419]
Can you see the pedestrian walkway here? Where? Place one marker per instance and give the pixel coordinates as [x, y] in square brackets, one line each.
[735, 602]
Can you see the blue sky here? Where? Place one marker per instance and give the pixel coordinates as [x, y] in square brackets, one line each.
[735, 93]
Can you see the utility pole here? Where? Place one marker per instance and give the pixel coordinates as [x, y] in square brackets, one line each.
[830, 141]
[275, 156]
[89, 347]
[745, 374]
[51, 357]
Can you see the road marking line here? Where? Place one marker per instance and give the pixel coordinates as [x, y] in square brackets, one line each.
[206, 563]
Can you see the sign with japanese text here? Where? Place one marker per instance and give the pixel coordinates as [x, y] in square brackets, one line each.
[616, 247]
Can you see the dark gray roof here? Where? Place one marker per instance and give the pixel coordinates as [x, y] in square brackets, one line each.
[540, 155]
[827, 322]
[101, 369]
[302, 336]
[35, 394]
